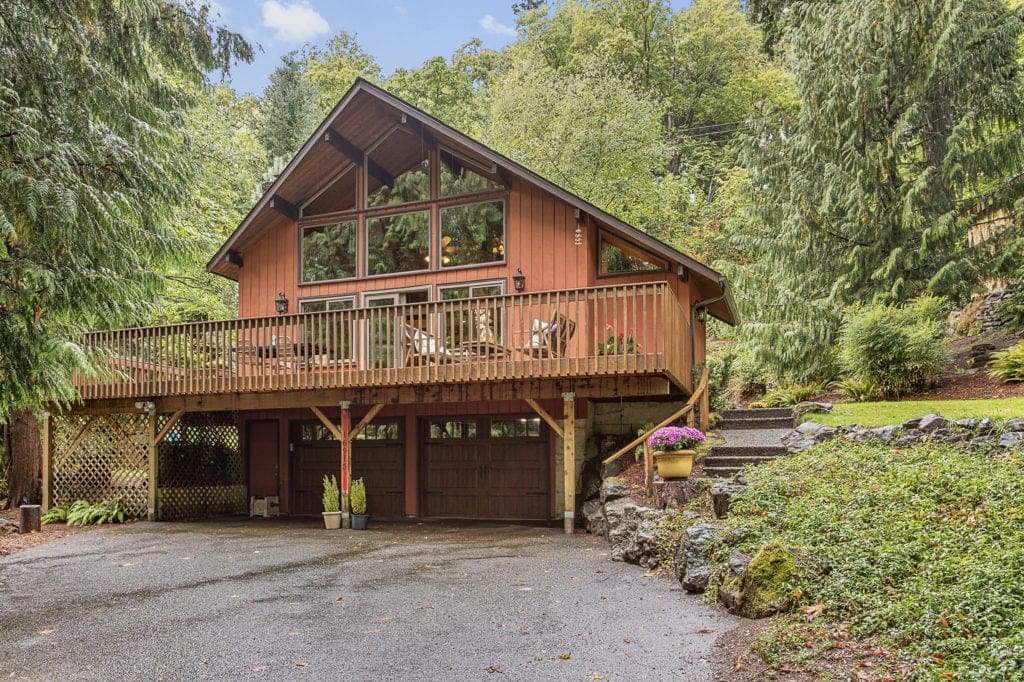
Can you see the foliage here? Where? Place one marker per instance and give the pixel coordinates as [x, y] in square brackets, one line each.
[94, 95]
[859, 390]
[620, 344]
[896, 348]
[720, 367]
[331, 497]
[85, 513]
[789, 394]
[288, 112]
[672, 438]
[638, 451]
[886, 413]
[924, 548]
[1011, 311]
[1007, 365]
[358, 496]
[330, 72]
[56, 514]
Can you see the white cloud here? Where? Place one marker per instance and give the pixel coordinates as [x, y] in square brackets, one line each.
[294, 22]
[495, 27]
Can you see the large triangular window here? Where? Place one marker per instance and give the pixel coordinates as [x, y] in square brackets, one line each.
[460, 176]
[339, 195]
[398, 170]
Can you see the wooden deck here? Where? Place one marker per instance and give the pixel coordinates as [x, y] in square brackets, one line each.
[637, 330]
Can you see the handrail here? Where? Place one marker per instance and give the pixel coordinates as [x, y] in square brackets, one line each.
[688, 407]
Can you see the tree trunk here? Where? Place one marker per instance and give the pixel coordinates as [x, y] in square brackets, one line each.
[23, 451]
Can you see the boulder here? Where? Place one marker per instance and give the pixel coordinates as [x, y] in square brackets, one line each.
[911, 423]
[590, 484]
[985, 426]
[932, 422]
[909, 437]
[722, 493]
[810, 407]
[673, 494]
[1010, 439]
[886, 434]
[729, 594]
[1016, 425]
[969, 424]
[982, 443]
[592, 514]
[642, 550]
[693, 565]
[624, 516]
[614, 488]
[612, 469]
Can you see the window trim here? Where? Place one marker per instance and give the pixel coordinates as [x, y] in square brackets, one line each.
[329, 299]
[504, 232]
[603, 235]
[324, 223]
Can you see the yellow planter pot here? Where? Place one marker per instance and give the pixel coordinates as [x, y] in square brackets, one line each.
[674, 464]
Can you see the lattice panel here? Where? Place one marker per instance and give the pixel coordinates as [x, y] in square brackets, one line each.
[101, 458]
[200, 467]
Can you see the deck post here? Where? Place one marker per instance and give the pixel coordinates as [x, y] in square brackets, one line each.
[346, 463]
[151, 440]
[47, 461]
[569, 461]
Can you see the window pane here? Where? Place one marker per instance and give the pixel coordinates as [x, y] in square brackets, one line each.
[473, 234]
[381, 431]
[452, 428]
[329, 252]
[483, 324]
[458, 178]
[331, 338]
[621, 258]
[312, 432]
[398, 243]
[339, 196]
[515, 428]
[398, 171]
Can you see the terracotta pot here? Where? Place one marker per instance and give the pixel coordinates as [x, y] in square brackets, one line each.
[332, 520]
[675, 463]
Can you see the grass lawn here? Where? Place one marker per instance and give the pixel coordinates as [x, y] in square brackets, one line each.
[883, 413]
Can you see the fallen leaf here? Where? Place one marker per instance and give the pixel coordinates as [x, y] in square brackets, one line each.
[44, 632]
[565, 656]
[126, 565]
[293, 633]
[493, 669]
[813, 611]
[341, 599]
[301, 664]
[627, 640]
[259, 668]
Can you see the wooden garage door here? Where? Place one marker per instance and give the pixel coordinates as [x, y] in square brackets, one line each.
[485, 468]
[378, 457]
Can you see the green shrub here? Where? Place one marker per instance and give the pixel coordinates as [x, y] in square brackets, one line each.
[789, 395]
[1007, 365]
[920, 550]
[358, 496]
[859, 390]
[897, 349]
[85, 513]
[1011, 311]
[332, 498]
[55, 515]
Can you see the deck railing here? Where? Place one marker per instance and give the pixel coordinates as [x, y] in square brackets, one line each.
[600, 331]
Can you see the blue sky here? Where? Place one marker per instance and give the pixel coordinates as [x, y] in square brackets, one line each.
[398, 33]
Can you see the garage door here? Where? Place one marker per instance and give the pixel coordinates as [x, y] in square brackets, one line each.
[378, 457]
[485, 468]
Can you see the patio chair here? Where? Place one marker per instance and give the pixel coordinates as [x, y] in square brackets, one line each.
[423, 348]
[550, 339]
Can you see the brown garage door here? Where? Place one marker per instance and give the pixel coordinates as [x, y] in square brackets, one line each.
[485, 468]
[378, 457]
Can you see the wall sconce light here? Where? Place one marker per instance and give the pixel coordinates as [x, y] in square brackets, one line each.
[702, 315]
[519, 280]
[281, 303]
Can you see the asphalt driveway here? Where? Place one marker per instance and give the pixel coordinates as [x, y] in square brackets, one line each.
[280, 599]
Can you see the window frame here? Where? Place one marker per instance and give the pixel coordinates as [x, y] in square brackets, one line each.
[429, 209]
[363, 201]
[481, 198]
[477, 166]
[323, 221]
[615, 240]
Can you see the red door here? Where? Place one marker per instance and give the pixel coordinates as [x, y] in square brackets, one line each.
[262, 442]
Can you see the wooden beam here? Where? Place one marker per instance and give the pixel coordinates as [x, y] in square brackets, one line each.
[378, 171]
[358, 428]
[349, 150]
[154, 484]
[284, 207]
[569, 462]
[47, 439]
[346, 465]
[331, 426]
[551, 421]
[168, 426]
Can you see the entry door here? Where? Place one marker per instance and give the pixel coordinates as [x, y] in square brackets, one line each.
[383, 335]
[485, 468]
[262, 441]
[378, 457]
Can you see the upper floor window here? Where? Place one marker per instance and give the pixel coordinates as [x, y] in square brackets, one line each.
[398, 243]
[472, 234]
[619, 257]
[460, 176]
[339, 195]
[329, 252]
[398, 170]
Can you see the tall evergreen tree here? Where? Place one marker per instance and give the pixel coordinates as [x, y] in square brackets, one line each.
[92, 164]
[288, 109]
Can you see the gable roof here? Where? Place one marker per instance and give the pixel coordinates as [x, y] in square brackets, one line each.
[369, 112]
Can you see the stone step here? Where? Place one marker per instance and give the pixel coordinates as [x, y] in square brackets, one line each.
[751, 423]
[737, 461]
[721, 472]
[764, 413]
[746, 450]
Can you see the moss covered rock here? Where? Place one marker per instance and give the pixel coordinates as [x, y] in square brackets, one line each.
[765, 587]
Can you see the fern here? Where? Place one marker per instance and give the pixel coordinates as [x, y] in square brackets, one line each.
[1007, 365]
[55, 515]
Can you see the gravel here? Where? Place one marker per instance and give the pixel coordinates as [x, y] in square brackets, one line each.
[272, 598]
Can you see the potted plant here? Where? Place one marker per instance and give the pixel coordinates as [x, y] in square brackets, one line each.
[672, 447]
[332, 503]
[358, 500]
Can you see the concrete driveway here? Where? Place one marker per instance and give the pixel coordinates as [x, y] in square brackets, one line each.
[281, 599]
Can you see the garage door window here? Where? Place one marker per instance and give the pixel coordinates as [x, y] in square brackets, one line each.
[379, 431]
[515, 428]
[445, 429]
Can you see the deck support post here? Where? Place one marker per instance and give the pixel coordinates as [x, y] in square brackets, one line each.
[47, 438]
[346, 463]
[569, 461]
[153, 513]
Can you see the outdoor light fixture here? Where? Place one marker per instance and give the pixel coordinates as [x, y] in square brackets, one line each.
[281, 303]
[519, 280]
[702, 314]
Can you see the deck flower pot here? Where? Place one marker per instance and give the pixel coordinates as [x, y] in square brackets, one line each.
[672, 447]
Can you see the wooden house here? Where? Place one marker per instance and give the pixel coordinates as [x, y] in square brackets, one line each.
[414, 309]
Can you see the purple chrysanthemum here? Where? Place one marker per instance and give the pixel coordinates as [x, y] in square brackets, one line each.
[675, 438]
